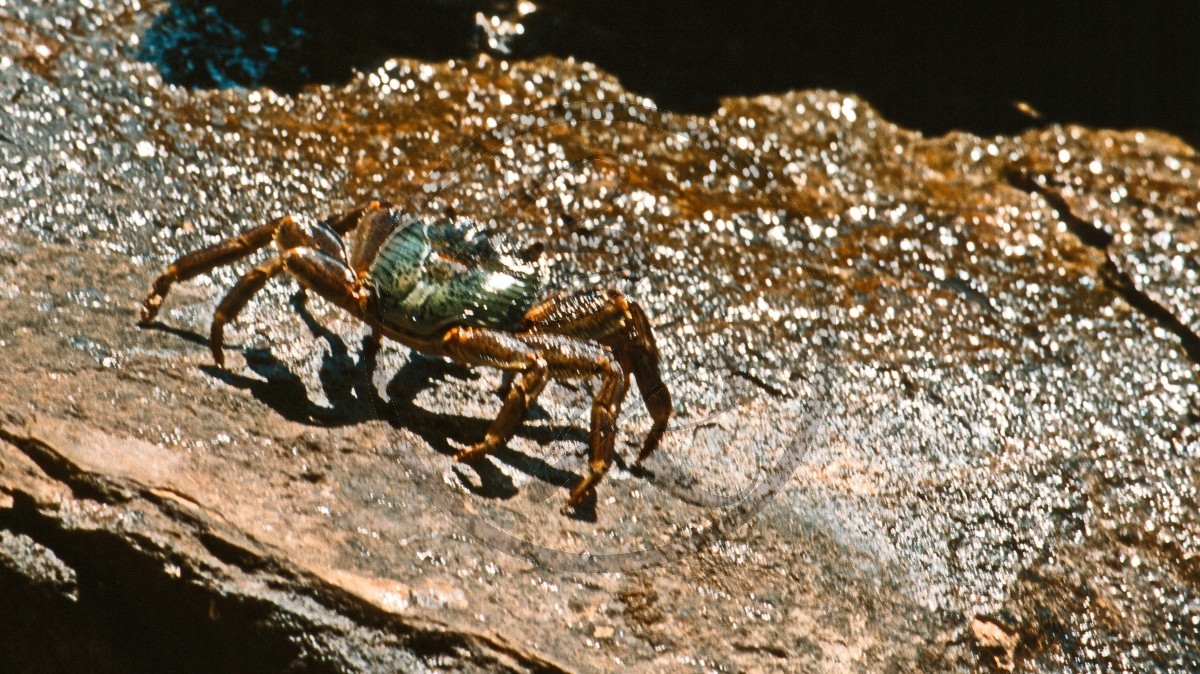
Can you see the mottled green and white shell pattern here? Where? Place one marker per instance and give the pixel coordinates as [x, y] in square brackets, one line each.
[429, 276]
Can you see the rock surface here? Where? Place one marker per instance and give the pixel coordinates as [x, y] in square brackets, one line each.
[936, 397]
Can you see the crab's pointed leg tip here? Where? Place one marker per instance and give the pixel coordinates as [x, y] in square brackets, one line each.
[571, 507]
[577, 498]
[471, 454]
[149, 310]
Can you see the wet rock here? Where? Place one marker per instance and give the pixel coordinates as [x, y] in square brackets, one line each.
[994, 639]
[917, 380]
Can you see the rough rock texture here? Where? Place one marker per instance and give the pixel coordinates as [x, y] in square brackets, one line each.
[937, 397]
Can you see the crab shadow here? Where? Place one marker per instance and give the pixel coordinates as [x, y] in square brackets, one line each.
[348, 385]
[443, 431]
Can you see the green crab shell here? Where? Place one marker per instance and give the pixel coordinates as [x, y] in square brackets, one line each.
[428, 277]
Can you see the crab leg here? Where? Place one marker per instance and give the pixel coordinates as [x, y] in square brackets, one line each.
[329, 277]
[205, 260]
[313, 254]
[643, 361]
[234, 248]
[347, 220]
[504, 351]
[608, 317]
[539, 357]
[235, 300]
[520, 397]
[604, 429]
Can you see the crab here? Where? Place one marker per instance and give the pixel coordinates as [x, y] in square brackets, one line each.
[444, 287]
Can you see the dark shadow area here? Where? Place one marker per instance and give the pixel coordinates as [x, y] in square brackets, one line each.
[130, 615]
[123, 610]
[437, 430]
[931, 66]
[285, 44]
[346, 382]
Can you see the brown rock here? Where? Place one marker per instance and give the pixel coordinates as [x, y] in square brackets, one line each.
[993, 638]
[916, 379]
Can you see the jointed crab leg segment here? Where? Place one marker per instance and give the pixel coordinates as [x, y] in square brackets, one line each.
[539, 357]
[605, 409]
[644, 363]
[293, 234]
[592, 314]
[520, 397]
[609, 318]
[311, 253]
[235, 300]
[478, 346]
[322, 273]
[205, 260]
[230, 250]
[328, 277]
